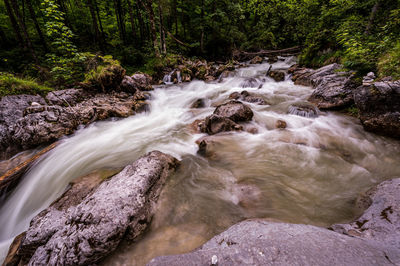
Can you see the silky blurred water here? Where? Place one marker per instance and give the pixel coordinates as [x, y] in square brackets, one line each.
[311, 172]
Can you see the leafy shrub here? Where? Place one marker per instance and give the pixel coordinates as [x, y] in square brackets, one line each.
[389, 63]
[11, 85]
[103, 72]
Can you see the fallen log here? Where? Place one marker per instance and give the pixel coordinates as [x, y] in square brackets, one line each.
[243, 55]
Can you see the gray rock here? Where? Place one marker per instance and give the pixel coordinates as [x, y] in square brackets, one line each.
[381, 221]
[333, 88]
[24, 125]
[235, 111]
[86, 232]
[247, 97]
[379, 107]
[215, 124]
[66, 97]
[259, 242]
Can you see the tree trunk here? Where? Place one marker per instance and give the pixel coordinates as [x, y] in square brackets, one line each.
[374, 10]
[14, 24]
[95, 25]
[132, 18]
[149, 7]
[202, 27]
[141, 24]
[162, 32]
[103, 37]
[175, 16]
[24, 31]
[35, 22]
[3, 37]
[120, 20]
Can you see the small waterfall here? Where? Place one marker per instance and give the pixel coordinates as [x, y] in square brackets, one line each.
[304, 110]
[168, 78]
[178, 76]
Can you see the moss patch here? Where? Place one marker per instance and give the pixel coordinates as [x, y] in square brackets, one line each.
[12, 85]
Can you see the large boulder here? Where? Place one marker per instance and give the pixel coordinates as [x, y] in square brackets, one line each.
[381, 220]
[260, 242]
[235, 111]
[333, 87]
[379, 107]
[84, 232]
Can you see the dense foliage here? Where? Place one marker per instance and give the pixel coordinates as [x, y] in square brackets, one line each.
[50, 39]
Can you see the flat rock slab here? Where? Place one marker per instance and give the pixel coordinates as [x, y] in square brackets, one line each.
[120, 207]
[259, 242]
[381, 221]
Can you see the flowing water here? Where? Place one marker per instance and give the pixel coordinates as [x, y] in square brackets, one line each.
[311, 172]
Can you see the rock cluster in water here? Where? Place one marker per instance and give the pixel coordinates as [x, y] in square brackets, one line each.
[90, 220]
[27, 121]
[377, 102]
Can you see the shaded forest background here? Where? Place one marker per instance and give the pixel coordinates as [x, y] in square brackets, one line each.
[55, 43]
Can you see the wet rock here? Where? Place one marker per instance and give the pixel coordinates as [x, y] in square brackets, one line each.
[119, 207]
[215, 124]
[10, 178]
[305, 110]
[281, 124]
[260, 242]
[379, 107]
[247, 97]
[333, 87]
[277, 75]
[235, 111]
[256, 60]
[247, 195]
[207, 146]
[199, 103]
[250, 83]
[272, 59]
[198, 126]
[13, 258]
[381, 220]
[234, 95]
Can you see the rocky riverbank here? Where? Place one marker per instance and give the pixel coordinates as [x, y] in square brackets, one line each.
[377, 102]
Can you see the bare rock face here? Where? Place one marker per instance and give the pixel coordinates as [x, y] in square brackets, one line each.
[379, 107]
[250, 83]
[86, 232]
[235, 111]
[381, 220]
[333, 88]
[260, 242]
[142, 81]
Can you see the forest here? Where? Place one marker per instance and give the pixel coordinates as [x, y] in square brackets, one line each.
[199, 132]
[49, 43]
